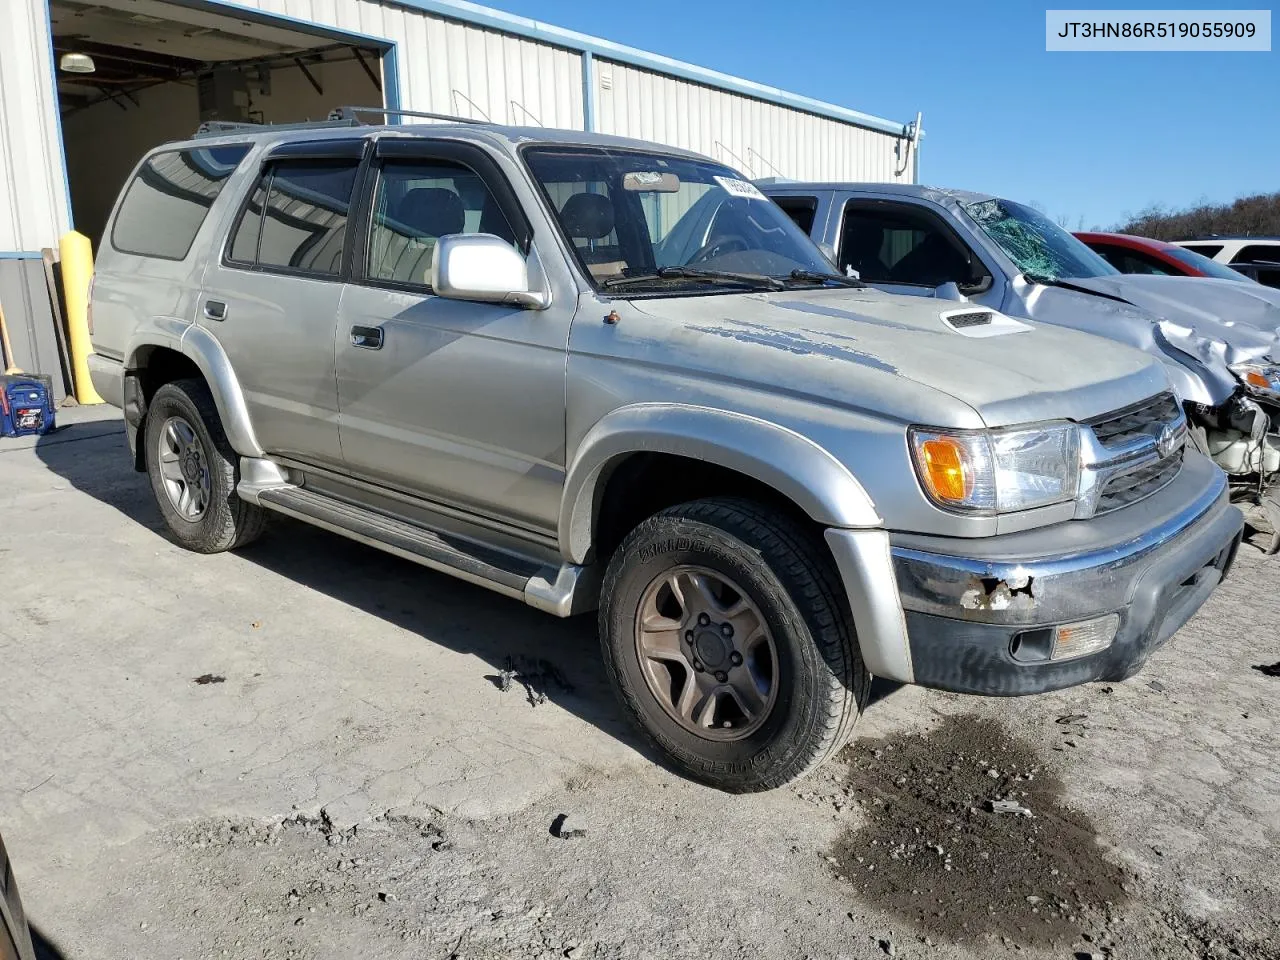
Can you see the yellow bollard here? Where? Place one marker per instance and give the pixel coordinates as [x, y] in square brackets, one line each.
[77, 270]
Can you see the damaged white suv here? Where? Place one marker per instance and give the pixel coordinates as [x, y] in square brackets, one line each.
[592, 372]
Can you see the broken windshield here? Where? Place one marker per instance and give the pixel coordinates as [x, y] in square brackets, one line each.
[1036, 245]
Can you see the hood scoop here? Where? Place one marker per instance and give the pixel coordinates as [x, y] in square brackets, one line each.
[963, 321]
[981, 323]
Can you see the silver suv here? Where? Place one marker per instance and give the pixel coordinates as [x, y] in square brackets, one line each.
[589, 372]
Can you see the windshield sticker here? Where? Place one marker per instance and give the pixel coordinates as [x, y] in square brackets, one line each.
[740, 188]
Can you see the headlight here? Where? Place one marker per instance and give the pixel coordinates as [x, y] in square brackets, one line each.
[998, 471]
[1260, 379]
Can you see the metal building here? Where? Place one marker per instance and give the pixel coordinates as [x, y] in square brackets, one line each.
[87, 86]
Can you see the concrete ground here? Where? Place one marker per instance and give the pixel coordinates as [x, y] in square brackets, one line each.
[303, 750]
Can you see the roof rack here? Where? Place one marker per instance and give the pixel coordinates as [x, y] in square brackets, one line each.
[338, 117]
[352, 114]
[218, 128]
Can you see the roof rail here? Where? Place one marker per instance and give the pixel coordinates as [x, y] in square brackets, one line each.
[351, 114]
[218, 128]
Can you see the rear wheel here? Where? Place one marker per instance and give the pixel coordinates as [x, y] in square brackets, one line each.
[730, 642]
[194, 471]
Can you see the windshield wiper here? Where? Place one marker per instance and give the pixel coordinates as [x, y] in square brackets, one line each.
[756, 280]
[816, 276]
[1068, 285]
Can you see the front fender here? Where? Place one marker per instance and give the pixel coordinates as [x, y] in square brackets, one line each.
[790, 463]
[207, 354]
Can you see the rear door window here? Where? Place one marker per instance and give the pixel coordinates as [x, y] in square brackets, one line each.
[169, 198]
[296, 219]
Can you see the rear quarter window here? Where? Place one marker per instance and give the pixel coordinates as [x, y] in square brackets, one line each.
[169, 198]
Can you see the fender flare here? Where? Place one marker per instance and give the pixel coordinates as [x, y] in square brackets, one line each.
[203, 349]
[790, 463]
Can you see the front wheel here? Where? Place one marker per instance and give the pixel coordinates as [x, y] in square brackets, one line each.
[729, 639]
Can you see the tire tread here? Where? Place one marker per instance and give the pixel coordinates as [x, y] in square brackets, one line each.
[808, 576]
[241, 522]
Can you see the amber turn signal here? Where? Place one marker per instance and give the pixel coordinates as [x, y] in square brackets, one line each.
[945, 472]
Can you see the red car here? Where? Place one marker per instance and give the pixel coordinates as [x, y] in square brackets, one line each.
[1130, 254]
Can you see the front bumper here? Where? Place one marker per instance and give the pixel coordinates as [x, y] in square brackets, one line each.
[964, 603]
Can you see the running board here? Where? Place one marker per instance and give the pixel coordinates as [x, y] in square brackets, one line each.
[561, 591]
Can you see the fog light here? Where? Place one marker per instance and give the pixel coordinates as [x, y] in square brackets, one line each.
[1073, 640]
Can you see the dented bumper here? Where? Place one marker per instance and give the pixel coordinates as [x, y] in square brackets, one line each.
[982, 615]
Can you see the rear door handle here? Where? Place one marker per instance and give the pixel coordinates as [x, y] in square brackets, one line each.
[370, 338]
[215, 310]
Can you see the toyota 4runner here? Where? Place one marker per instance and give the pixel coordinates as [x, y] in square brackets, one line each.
[589, 372]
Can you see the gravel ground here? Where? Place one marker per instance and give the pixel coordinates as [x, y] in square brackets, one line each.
[311, 749]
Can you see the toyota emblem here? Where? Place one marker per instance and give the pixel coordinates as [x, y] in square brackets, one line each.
[1167, 442]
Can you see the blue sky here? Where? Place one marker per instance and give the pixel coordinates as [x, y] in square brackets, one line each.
[1082, 135]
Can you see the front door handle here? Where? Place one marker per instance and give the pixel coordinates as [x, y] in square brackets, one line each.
[370, 338]
[215, 310]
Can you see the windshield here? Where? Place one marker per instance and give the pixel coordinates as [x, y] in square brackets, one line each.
[1210, 268]
[1036, 245]
[663, 223]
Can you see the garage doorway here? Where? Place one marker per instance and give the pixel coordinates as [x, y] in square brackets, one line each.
[136, 73]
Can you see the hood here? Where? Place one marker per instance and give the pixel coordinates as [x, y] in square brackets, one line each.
[884, 353]
[1196, 346]
[1244, 319]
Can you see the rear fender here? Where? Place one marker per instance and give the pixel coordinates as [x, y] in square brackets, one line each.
[204, 350]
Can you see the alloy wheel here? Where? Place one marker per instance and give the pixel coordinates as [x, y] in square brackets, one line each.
[184, 469]
[706, 653]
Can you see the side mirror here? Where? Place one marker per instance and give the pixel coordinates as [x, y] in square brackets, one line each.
[948, 291]
[978, 285]
[483, 267]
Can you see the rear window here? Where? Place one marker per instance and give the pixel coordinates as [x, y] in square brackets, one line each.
[799, 209]
[1258, 253]
[1209, 250]
[169, 198]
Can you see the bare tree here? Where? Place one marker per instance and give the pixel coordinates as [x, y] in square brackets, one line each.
[1257, 215]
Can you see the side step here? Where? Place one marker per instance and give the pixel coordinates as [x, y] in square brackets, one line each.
[560, 591]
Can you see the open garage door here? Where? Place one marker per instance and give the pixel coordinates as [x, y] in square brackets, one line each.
[136, 73]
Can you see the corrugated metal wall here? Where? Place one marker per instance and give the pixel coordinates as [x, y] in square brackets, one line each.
[450, 67]
[28, 313]
[761, 139]
[33, 197]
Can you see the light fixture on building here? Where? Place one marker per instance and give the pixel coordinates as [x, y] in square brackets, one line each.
[77, 63]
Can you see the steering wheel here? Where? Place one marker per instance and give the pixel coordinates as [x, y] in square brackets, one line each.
[730, 243]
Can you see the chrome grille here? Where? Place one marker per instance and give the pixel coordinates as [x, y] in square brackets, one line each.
[1122, 427]
[1131, 453]
[1127, 488]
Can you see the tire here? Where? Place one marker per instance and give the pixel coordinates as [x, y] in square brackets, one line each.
[819, 683]
[183, 416]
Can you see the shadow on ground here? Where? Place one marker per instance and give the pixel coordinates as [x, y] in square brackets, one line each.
[45, 948]
[554, 659]
[541, 657]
